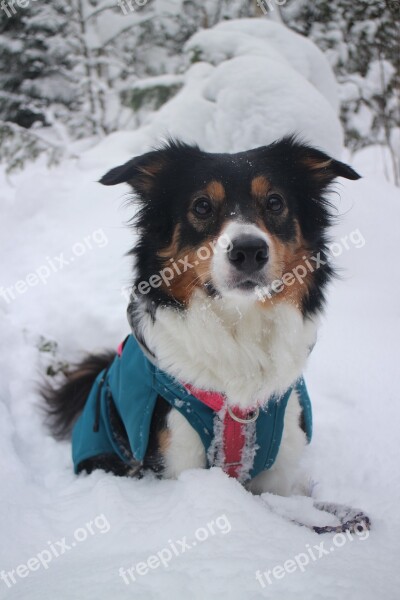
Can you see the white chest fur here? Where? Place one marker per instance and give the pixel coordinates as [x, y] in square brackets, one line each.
[245, 351]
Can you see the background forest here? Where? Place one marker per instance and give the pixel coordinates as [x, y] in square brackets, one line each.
[82, 69]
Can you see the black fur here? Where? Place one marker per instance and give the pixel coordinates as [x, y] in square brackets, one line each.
[64, 404]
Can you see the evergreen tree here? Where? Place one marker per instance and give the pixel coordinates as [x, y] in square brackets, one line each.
[68, 70]
[362, 41]
[35, 65]
[34, 55]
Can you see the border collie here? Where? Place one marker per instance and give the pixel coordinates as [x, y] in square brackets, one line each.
[222, 323]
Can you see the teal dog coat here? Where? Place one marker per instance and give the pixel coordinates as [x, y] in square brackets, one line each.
[131, 385]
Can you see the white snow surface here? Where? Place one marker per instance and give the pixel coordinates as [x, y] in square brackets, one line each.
[352, 373]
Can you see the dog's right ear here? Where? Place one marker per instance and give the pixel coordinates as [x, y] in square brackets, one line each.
[143, 172]
[140, 172]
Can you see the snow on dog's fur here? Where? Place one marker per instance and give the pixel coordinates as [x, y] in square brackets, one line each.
[199, 313]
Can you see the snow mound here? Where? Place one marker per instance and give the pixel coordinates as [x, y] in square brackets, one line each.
[253, 82]
[270, 40]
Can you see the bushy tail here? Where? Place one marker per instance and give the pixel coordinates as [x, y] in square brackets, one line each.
[64, 404]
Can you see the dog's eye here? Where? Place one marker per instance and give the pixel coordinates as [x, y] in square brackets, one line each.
[275, 203]
[202, 207]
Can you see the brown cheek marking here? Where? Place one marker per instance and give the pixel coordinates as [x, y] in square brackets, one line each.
[260, 187]
[216, 191]
[197, 223]
[288, 256]
[183, 285]
[172, 250]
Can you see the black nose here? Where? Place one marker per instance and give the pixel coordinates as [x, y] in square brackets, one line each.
[248, 253]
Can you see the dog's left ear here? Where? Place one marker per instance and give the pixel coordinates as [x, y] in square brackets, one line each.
[324, 168]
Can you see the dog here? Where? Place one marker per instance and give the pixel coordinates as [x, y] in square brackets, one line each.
[222, 322]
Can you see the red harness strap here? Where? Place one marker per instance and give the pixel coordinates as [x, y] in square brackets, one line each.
[234, 438]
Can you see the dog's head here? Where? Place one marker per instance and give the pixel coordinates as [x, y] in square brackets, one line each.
[235, 225]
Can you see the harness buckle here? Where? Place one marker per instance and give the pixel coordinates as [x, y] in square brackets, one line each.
[254, 416]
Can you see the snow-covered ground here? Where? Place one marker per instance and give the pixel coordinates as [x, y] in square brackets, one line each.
[62, 240]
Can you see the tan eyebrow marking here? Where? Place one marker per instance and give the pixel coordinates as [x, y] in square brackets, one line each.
[260, 186]
[216, 190]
